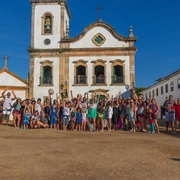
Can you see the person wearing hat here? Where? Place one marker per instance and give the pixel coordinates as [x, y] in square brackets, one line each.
[7, 104]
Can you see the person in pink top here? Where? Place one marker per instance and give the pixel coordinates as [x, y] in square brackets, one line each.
[177, 112]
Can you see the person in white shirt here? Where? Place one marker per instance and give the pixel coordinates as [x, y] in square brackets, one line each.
[109, 115]
[38, 106]
[7, 104]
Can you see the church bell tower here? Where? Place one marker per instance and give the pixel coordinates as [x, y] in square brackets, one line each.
[50, 23]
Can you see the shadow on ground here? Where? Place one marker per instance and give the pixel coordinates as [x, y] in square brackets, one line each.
[175, 159]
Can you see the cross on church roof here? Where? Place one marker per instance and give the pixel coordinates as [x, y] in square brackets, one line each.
[99, 8]
[5, 61]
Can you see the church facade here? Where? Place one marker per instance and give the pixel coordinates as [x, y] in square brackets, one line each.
[98, 60]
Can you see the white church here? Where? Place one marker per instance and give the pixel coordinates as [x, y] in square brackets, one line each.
[98, 60]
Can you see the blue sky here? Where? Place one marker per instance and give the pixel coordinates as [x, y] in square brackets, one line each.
[155, 22]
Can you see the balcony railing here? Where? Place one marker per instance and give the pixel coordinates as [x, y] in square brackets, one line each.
[117, 80]
[99, 80]
[80, 79]
[46, 80]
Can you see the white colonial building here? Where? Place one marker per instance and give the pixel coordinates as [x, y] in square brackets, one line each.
[12, 82]
[164, 87]
[98, 60]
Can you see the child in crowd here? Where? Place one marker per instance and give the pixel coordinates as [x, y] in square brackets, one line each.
[78, 119]
[53, 115]
[35, 118]
[151, 120]
[84, 117]
[26, 118]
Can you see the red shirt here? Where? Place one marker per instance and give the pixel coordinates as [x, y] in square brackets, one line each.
[177, 110]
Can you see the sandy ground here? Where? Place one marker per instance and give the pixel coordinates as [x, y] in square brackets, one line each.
[51, 154]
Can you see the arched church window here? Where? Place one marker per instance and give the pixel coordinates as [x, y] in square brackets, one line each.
[99, 75]
[46, 77]
[80, 72]
[46, 73]
[99, 72]
[47, 23]
[80, 75]
[117, 74]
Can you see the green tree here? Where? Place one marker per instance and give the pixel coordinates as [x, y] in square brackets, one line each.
[139, 90]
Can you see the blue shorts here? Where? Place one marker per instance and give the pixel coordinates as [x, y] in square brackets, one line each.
[169, 116]
[131, 118]
[53, 120]
[65, 120]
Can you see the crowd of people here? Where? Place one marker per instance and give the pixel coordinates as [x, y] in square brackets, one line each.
[81, 113]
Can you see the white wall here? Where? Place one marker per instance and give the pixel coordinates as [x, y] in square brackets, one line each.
[86, 41]
[66, 18]
[40, 91]
[8, 80]
[113, 90]
[162, 97]
[55, 10]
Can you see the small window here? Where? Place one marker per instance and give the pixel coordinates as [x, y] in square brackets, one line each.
[153, 94]
[157, 93]
[166, 88]
[149, 94]
[99, 77]
[146, 96]
[117, 77]
[80, 75]
[172, 86]
[46, 77]
[161, 89]
[178, 85]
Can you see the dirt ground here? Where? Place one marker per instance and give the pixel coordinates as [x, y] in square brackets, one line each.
[55, 155]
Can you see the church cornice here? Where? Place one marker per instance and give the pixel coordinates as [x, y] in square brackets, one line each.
[100, 24]
[80, 49]
[47, 1]
[53, 1]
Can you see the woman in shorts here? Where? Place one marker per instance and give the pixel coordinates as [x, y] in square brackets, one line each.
[140, 114]
[66, 115]
[132, 116]
[155, 110]
[17, 113]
